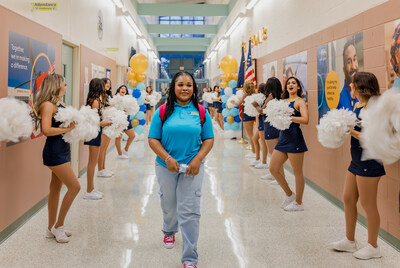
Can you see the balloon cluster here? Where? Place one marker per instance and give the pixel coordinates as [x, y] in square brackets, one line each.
[136, 76]
[232, 121]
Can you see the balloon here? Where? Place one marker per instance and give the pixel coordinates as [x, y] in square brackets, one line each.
[140, 77]
[132, 83]
[230, 119]
[141, 86]
[234, 90]
[223, 84]
[139, 115]
[236, 126]
[235, 76]
[225, 119]
[131, 75]
[142, 122]
[227, 126]
[144, 93]
[234, 112]
[225, 77]
[138, 63]
[222, 92]
[142, 108]
[223, 105]
[228, 64]
[230, 76]
[139, 129]
[228, 91]
[136, 93]
[232, 83]
[224, 98]
[140, 101]
[225, 112]
[135, 122]
[237, 119]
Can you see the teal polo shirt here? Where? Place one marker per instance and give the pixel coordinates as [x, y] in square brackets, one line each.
[182, 134]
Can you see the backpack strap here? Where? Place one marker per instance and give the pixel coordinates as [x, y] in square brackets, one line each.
[202, 111]
[161, 111]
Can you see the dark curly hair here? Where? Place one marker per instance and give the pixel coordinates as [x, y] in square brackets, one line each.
[273, 87]
[285, 94]
[366, 84]
[96, 89]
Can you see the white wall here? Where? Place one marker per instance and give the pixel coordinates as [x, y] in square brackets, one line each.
[287, 21]
[76, 21]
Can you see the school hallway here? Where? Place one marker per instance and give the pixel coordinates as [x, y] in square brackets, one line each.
[242, 224]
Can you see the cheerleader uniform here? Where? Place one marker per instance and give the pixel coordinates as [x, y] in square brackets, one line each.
[129, 125]
[261, 119]
[369, 168]
[219, 107]
[97, 141]
[56, 151]
[291, 140]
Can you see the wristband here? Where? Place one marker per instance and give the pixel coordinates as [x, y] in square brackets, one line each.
[168, 157]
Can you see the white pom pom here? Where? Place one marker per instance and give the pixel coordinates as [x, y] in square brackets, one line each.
[125, 103]
[158, 96]
[333, 127]
[152, 99]
[119, 122]
[229, 103]
[228, 91]
[239, 93]
[249, 109]
[143, 94]
[278, 114]
[207, 96]
[380, 136]
[15, 120]
[67, 116]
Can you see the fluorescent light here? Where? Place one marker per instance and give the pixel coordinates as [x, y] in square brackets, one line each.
[205, 61]
[251, 4]
[146, 44]
[118, 3]
[134, 26]
[235, 23]
[211, 55]
[218, 46]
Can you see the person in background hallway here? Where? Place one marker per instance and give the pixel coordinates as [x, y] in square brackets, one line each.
[149, 108]
[105, 140]
[56, 155]
[181, 133]
[96, 99]
[362, 179]
[291, 145]
[123, 154]
[219, 117]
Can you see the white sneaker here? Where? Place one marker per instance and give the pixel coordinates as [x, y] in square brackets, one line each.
[368, 252]
[124, 152]
[59, 234]
[122, 156]
[99, 193]
[345, 245]
[92, 195]
[294, 207]
[250, 155]
[274, 182]
[267, 176]
[109, 172]
[254, 163]
[103, 173]
[288, 200]
[49, 234]
[261, 166]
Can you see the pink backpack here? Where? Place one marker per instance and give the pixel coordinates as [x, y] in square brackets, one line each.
[202, 112]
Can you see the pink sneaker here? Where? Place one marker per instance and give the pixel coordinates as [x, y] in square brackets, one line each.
[169, 241]
[189, 265]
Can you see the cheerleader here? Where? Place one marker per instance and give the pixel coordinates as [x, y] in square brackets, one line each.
[105, 140]
[56, 155]
[291, 145]
[97, 100]
[362, 179]
[248, 121]
[218, 108]
[149, 108]
[123, 154]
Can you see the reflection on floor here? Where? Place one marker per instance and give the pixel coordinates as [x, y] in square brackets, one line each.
[242, 224]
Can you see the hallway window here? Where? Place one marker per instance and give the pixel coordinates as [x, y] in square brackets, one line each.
[187, 20]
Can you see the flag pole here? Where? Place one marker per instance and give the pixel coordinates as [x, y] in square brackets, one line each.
[242, 140]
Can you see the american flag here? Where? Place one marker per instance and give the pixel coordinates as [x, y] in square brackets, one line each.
[249, 67]
[240, 76]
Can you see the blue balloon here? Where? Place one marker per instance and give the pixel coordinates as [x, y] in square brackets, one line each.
[139, 129]
[236, 126]
[225, 98]
[227, 126]
[139, 115]
[223, 91]
[224, 105]
[234, 90]
[225, 112]
[140, 101]
[237, 118]
[142, 108]
[237, 107]
[232, 83]
[234, 112]
[136, 93]
[141, 86]
[225, 119]
[142, 122]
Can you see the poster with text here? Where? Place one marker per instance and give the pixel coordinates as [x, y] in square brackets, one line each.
[392, 52]
[337, 62]
[296, 65]
[29, 62]
[269, 70]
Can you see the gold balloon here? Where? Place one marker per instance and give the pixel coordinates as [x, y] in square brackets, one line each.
[138, 63]
[228, 64]
[140, 77]
[135, 122]
[225, 77]
[230, 76]
[131, 75]
[235, 76]
[230, 119]
[223, 84]
[133, 83]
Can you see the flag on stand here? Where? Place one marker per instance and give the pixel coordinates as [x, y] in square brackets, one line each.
[250, 75]
[240, 79]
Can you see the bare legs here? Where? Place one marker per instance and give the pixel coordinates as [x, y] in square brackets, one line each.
[220, 120]
[365, 188]
[271, 146]
[61, 174]
[131, 137]
[93, 159]
[248, 127]
[105, 141]
[264, 148]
